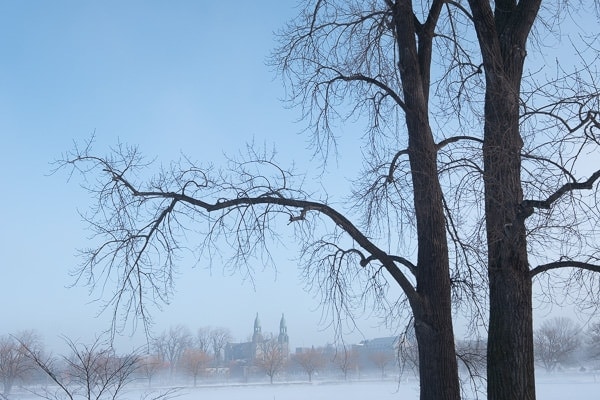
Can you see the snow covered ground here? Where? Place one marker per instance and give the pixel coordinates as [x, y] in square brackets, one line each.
[557, 387]
[560, 386]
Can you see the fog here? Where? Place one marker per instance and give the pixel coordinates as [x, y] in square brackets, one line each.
[550, 388]
[555, 387]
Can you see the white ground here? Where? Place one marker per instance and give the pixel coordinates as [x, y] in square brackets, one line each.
[548, 388]
[560, 386]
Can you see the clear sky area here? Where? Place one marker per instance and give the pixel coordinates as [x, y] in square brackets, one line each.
[172, 77]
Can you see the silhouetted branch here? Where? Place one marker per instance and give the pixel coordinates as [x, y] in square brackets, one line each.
[563, 264]
[563, 190]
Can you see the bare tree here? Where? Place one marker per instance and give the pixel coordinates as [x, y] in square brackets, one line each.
[14, 363]
[149, 366]
[270, 357]
[555, 342]
[203, 339]
[479, 162]
[219, 337]
[171, 344]
[311, 360]
[504, 145]
[194, 362]
[593, 339]
[346, 358]
[381, 359]
[91, 372]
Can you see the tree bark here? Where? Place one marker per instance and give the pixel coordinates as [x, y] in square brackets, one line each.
[502, 36]
[438, 372]
[433, 316]
[510, 336]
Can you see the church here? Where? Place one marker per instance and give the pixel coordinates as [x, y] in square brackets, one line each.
[246, 352]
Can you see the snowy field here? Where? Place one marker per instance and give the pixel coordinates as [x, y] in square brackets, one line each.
[548, 388]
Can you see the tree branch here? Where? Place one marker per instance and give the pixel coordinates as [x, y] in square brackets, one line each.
[454, 139]
[374, 82]
[528, 205]
[269, 197]
[563, 264]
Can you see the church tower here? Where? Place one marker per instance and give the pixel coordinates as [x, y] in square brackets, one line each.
[283, 338]
[257, 335]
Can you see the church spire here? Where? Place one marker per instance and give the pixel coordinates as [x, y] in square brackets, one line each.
[257, 335]
[283, 336]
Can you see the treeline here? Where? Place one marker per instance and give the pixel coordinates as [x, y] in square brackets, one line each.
[24, 360]
[560, 343]
[179, 357]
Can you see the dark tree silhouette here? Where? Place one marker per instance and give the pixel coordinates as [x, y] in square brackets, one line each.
[476, 180]
[91, 372]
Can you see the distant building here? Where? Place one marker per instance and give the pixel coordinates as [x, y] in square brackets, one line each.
[244, 353]
[377, 350]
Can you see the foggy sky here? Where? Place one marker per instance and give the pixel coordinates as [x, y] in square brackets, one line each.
[171, 77]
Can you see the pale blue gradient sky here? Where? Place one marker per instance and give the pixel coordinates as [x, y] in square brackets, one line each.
[171, 77]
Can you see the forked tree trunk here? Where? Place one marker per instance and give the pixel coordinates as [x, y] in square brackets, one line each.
[438, 372]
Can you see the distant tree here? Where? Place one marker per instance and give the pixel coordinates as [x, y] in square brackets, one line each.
[91, 372]
[346, 359]
[219, 338]
[381, 359]
[555, 341]
[194, 362]
[14, 363]
[270, 357]
[203, 339]
[311, 361]
[149, 366]
[171, 344]
[594, 340]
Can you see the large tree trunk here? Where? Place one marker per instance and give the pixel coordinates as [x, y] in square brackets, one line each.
[438, 371]
[433, 317]
[502, 36]
[510, 337]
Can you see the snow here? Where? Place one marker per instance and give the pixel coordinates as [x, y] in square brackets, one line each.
[548, 388]
[305, 391]
[560, 386]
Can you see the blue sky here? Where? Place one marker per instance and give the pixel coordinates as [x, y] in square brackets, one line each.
[171, 77]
